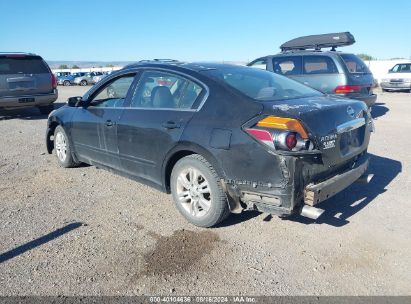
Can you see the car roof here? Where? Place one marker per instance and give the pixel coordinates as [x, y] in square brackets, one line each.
[17, 53]
[310, 52]
[179, 66]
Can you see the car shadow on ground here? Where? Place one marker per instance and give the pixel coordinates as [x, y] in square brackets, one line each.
[26, 113]
[345, 204]
[378, 110]
[38, 242]
[235, 219]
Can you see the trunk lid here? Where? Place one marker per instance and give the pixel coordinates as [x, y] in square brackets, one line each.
[22, 75]
[340, 128]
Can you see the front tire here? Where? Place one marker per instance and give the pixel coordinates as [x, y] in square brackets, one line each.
[83, 83]
[63, 149]
[66, 83]
[197, 191]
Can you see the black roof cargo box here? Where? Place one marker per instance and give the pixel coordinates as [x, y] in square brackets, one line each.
[317, 42]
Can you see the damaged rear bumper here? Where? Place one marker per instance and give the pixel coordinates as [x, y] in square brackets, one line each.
[307, 183]
[316, 193]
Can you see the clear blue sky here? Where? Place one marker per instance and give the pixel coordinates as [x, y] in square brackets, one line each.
[237, 30]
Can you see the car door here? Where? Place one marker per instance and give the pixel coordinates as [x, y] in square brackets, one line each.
[160, 108]
[94, 126]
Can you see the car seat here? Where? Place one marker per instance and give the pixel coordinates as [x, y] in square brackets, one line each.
[161, 97]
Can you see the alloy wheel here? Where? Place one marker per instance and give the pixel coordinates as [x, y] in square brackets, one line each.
[194, 192]
[61, 146]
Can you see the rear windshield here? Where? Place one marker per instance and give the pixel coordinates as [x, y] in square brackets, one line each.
[354, 64]
[261, 85]
[22, 65]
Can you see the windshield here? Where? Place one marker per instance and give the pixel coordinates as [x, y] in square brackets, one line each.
[261, 85]
[355, 64]
[401, 68]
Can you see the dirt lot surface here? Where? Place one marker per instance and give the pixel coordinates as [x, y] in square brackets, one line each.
[85, 231]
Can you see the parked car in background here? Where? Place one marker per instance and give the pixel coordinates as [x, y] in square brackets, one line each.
[221, 138]
[398, 78]
[86, 79]
[330, 72]
[26, 81]
[97, 78]
[62, 74]
[69, 79]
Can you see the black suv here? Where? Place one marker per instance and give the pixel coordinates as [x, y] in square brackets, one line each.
[26, 81]
[220, 138]
[330, 72]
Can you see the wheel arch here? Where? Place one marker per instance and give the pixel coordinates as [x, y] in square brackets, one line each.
[52, 125]
[182, 150]
[50, 131]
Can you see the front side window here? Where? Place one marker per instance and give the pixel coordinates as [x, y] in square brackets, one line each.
[259, 64]
[160, 90]
[261, 85]
[287, 65]
[113, 94]
[319, 65]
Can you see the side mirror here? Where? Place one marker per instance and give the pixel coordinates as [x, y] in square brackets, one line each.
[74, 101]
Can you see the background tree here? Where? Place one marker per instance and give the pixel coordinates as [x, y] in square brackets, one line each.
[365, 57]
[75, 67]
[63, 66]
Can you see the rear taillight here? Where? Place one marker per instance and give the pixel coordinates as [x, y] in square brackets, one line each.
[262, 135]
[347, 89]
[280, 133]
[53, 81]
[291, 140]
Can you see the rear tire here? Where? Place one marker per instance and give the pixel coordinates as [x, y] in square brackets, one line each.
[45, 110]
[197, 191]
[63, 149]
[66, 83]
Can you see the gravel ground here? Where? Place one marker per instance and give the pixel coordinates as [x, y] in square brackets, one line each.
[85, 231]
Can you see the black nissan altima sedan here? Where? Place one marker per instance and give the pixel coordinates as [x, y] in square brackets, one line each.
[220, 138]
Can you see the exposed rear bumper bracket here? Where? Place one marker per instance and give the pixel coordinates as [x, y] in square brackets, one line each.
[316, 193]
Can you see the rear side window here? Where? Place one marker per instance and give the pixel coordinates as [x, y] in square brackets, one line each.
[287, 65]
[319, 65]
[165, 91]
[354, 64]
[22, 65]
